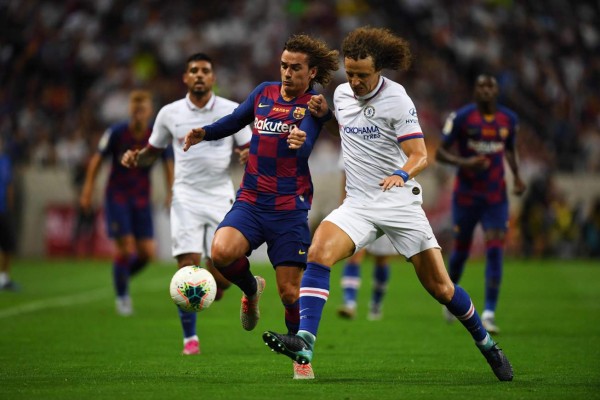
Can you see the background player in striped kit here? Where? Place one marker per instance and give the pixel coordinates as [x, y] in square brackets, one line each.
[276, 190]
[484, 135]
[383, 150]
[127, 200]
[7, 229]
[203, 191]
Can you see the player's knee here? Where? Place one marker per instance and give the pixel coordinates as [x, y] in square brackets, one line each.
[222, 255]
[441, 291]
[289, 294]
[444, 292]
[321, 254]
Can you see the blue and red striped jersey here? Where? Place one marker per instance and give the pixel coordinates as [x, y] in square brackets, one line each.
[275, 177]
[126, 184]
[478, 134]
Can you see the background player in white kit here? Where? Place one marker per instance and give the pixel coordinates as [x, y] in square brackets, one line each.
[383, 149]
[203, 191]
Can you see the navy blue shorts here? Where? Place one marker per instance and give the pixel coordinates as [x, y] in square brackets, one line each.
[128, 219]
[286, 233]
[491, 216]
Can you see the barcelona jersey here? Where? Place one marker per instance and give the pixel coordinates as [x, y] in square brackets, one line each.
[487, 135]
[126, 184]
[275, 177]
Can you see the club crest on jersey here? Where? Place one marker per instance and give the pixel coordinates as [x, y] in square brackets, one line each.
[503, 133]
[369, 111]
[299, 112]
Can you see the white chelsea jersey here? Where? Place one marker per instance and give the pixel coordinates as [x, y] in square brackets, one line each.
[204, 169]
[371, 129]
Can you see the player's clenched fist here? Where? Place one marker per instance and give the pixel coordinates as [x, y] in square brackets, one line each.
[296, 138]
[193, 137]
[129, 159]
[317, 105]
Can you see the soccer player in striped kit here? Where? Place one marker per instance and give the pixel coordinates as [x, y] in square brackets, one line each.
[276, 191]
[384, 149]
[127, 200]
[483, 134]
[203, 191]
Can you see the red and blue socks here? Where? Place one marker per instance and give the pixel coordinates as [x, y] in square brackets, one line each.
[238, 273]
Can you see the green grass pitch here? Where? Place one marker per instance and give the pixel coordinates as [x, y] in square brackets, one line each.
[61, 339]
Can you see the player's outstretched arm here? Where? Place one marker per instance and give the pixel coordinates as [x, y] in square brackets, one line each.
[193, 137]
[140, 158]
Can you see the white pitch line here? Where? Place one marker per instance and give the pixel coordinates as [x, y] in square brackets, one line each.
[65, 301]
[76, 299]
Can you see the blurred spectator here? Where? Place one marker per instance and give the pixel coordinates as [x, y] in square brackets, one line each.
[535, 220]
[591, 231]
[564, 231]
[60, 59]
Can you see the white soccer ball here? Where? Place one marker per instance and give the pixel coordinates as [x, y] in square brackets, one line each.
[193, 288]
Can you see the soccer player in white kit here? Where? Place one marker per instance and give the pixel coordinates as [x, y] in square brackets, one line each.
[383, 150]
[381, 250]
[202, 191]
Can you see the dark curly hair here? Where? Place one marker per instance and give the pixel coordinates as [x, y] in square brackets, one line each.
[386, 49]
[319, 55]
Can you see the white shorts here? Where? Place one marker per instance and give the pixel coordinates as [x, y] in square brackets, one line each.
[406, 226]
[193, 225]
[382, 247]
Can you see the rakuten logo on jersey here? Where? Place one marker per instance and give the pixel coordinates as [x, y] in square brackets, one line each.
[483, 147]
[266, 127]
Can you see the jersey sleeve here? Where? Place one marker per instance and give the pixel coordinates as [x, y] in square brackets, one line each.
[240, 117]
[450, 128]
[312, 127]
[106, 142]
[161, 135]
[405, 121]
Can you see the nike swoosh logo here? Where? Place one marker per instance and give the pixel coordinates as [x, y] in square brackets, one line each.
[304, 309]
[261, 105]
[429, 237]
[301, 252]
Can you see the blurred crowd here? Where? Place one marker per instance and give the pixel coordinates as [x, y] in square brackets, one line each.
[66, 66]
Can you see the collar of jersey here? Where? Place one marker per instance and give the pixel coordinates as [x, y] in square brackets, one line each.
[373, 93]
[209, 105]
